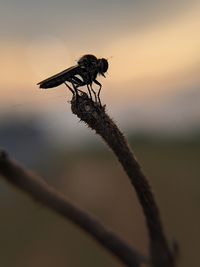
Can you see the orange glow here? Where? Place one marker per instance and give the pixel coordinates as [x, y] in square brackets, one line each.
[159, 52]
[153, 58]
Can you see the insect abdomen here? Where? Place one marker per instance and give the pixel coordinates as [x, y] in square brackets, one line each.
[52, 83]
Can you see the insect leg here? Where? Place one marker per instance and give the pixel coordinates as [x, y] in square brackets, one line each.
[74, 92]
[100, 86]
[82, 83]
[75, 88]
[89, 91]
[76, 82]
[69, 88]
[93, 92]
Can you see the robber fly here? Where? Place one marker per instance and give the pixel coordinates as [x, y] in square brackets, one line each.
[84, 73]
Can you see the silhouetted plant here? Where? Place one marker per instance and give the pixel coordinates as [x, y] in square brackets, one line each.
[97, 119]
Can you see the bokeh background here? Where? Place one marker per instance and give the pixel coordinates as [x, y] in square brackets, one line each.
[151, 91]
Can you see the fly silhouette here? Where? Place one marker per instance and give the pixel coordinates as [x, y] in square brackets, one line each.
[83, 74]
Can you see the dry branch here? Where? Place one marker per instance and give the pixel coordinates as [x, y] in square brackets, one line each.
[35, 187]
[96, 118]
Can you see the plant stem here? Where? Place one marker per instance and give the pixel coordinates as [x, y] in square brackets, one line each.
[49, 197]
[96, 118]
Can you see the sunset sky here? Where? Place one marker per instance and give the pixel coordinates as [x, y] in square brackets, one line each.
[153, 48]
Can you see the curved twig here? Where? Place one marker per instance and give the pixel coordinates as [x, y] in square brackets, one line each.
[49, 197]
[96, 118]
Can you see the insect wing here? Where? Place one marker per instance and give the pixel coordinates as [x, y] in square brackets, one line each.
[59, 78]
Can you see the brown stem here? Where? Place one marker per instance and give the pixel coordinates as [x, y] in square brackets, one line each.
[49, 197]
[97, 119]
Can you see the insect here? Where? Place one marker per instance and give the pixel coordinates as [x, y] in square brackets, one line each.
[84, 73]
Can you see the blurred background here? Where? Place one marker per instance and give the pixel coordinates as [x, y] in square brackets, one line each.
[151, 91]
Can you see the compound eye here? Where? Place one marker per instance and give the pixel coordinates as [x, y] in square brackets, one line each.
[103, 65]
